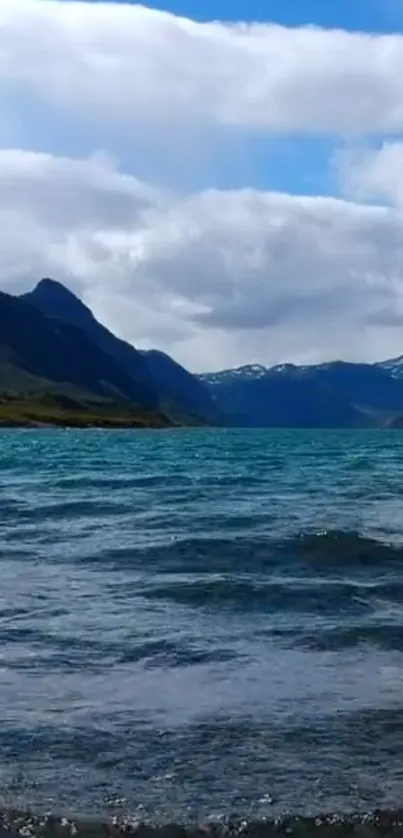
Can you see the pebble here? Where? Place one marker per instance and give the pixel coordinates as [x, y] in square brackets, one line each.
[376, 825]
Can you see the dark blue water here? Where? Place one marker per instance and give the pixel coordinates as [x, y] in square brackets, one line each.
[201, 623]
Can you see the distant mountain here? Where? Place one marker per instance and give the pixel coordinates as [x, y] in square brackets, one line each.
[394, 366]
[160, 381]
[337, 394]
[247, 372]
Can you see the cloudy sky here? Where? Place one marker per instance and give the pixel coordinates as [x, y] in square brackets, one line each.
[222, 179]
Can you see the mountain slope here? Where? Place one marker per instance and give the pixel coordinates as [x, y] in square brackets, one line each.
[180, 389]
[160, 380]
[40, 355]
[54, 300]
[359, 384]
[393, 366]
[280, 402]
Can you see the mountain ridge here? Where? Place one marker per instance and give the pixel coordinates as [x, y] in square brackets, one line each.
[256, 370]
[162, 383]
[55, 300]
[54, 353]
[329, 394]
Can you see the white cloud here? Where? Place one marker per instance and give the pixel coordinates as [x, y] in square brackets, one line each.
[138, 67]
[216, 278]
[373, 174]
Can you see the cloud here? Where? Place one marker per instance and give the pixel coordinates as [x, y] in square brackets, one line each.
[373, 174]
[216, 278]
[127, 65]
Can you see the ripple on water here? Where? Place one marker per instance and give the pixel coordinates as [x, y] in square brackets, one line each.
[201, 623]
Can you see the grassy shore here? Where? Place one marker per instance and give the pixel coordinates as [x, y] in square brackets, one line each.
[59, 410]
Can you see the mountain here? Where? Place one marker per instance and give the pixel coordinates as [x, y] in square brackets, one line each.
[59, 362]
[178, 388]
[41, 356]
[54, 300]
[337, 394]
[394, 366]
[247, 372]
[160, 381]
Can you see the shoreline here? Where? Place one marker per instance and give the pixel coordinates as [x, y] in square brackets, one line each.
[84, 426]
[107, 424]
[58, 411]
[83, 422]
[33, 825]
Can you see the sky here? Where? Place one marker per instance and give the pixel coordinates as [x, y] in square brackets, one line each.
[220, 180]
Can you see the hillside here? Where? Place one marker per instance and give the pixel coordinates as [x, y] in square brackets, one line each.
[42, 356]
[59, 351]
[161, 382]
[51, 407]
[394, 366]
[178, 389]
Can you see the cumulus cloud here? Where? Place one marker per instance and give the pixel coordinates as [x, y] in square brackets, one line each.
[143, 68]
[214, 277]
[373, 174]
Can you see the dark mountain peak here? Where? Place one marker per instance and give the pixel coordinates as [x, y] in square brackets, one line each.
[49, 284]
[54, 299]
[154, 353]
[55, 350]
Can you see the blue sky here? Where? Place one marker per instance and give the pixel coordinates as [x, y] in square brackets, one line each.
[366, 15]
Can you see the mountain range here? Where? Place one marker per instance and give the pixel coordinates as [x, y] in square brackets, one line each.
[60, 365]
[331, 395]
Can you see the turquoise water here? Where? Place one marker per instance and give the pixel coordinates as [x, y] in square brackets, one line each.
[201, 623]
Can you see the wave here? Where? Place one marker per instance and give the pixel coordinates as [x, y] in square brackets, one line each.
[322, 553]
[380, 636]
[70, 653]
[268, 595]
[171, 655]
[340, 548]
[66, 510]
[120, 482]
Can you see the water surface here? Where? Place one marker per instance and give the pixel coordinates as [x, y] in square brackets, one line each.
[201, 623]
